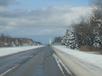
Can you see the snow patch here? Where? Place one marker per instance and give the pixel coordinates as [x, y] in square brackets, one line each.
[93, 59]
[12, 50]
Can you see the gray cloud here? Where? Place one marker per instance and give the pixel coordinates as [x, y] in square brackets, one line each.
[97, 3]
[42, 22]
[47, 21]
[5, 2]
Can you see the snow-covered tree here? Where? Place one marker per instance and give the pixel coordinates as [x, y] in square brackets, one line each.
[97, 32]
[69, 39]
[96, 24]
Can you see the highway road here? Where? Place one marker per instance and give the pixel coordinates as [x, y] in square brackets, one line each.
[35, 62]
[77, 66]
[46, 61]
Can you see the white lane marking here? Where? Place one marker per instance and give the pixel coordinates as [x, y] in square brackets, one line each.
[9, 70]
[58, 62]
[59, 66]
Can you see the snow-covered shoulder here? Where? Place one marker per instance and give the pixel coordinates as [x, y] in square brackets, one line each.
[12, 50]
[83, 56]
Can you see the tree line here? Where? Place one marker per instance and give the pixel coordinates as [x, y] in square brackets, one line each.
[87, 33]
[8, 41]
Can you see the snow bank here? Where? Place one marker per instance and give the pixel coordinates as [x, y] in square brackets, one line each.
[93, 59]
[11, 50]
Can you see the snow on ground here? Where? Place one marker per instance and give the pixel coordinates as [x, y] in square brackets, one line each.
[93, 59]
[11, 50]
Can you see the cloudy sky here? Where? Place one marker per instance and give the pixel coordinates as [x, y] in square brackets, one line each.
[40, 20]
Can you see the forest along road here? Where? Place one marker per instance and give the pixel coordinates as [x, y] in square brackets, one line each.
[41, 63]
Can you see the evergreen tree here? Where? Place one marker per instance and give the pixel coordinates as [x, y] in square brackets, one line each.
[69, 39]
[96, 25]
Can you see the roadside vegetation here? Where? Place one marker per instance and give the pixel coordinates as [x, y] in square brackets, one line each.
[87, 34]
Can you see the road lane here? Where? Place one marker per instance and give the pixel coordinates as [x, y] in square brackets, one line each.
[76, 66]
[10, 61]
[41, 64]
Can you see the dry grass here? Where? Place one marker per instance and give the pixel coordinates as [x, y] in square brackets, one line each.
[88, 48]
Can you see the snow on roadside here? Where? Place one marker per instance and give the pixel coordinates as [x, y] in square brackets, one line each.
[12, 50]
[93, 59]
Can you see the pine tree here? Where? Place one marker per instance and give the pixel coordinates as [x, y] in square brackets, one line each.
[96, 24]
[69, 39]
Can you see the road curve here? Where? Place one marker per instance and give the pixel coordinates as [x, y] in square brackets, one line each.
[41, 64]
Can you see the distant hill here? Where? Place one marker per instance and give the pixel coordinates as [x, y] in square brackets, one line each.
[7, 41]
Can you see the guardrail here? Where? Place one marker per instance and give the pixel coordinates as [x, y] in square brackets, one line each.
[76, 66]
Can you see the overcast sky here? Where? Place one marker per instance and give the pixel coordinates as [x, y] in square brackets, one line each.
[40, 20]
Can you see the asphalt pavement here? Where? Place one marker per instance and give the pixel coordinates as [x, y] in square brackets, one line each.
[35, 62]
